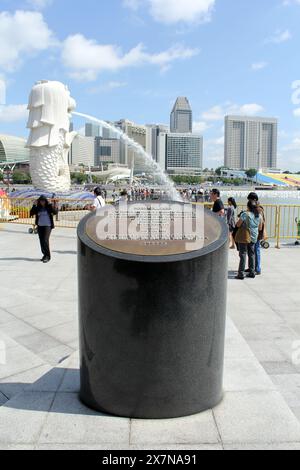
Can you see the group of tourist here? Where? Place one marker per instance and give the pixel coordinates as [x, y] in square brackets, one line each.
[138, 194]
[195, 195]
[246, 231]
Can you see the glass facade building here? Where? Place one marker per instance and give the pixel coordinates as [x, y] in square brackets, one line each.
[184, 151]
[12, 149]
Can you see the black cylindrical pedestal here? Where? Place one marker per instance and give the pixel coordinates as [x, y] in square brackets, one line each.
[152, 329]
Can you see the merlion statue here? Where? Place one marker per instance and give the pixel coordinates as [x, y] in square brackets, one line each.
[50, 106]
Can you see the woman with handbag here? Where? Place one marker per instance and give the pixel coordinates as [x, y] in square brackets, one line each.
[249, 225]
[43, 211]
[231, 215]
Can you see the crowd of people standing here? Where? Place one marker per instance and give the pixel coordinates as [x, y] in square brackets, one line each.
[246, 231]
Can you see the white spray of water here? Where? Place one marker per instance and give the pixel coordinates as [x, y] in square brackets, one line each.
[153, 166]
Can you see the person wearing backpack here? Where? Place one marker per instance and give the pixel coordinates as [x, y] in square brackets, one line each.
[249, 225]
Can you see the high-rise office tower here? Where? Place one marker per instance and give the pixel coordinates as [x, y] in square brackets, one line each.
[138, 134]
[153, 133]
[82, 151]
[183, 152]
[182, 117]
[250, 142]
[107, 151]
[92, 130]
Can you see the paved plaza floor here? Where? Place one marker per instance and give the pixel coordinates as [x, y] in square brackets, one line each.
[39, 376]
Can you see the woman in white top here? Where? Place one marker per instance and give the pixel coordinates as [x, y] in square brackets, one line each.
[99, 201]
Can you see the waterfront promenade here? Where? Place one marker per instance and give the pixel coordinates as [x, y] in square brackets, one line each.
[39, 377]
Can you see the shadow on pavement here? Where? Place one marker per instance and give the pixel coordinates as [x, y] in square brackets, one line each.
[59, 252]
[67, 399]
[30, 260]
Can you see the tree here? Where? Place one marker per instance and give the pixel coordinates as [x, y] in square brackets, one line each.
[251, 173]
[20, 177]
[79, 178]
[219, 170]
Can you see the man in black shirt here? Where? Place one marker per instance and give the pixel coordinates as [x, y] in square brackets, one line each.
[218, 207]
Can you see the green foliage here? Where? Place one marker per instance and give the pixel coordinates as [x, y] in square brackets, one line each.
[219, 170]
[251, 173]
[187, 179]
[98, 179]
[20, 177]
[79, 178]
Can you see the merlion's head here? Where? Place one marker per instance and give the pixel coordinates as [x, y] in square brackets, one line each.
[50, 106]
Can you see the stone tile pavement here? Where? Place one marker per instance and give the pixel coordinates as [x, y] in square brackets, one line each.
[39, 377]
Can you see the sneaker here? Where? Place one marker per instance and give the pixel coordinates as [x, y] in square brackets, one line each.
[257, 273]
[251, 276]
[240, 277]
[43, 259]
[46, 260]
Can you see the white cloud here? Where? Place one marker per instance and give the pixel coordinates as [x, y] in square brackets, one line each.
[188, 11]
[217, 113]
[199, 127]
[39, 4]
[132, 4]
[297, 112]
[289, 155]
[22, 33]
[85, 58]
[290, 2]
[176, 11]
[259, 66]
[106, 87]
[279, 37]
[13, 113]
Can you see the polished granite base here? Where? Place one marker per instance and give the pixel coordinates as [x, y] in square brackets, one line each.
[152, 328]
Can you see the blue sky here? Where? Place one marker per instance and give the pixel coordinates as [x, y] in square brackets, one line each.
[132, 58]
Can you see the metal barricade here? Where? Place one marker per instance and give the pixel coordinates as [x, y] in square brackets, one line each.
[282, 221]
[17, 211]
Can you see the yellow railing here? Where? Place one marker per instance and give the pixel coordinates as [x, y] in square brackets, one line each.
[280, 219]
[17, 211]
[288, 224]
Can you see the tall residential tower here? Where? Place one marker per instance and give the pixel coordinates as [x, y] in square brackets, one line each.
[250, 142]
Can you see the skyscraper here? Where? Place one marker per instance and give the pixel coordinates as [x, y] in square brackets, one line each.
[182, 117]
[138, 134]
[250, 142]
[183, 153]
[92, 130]
[153, 132]
[107, 151]
[82, 151]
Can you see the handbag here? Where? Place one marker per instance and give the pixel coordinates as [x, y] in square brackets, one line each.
[243, 234]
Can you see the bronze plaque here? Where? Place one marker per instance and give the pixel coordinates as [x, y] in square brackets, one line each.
[153, 229]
